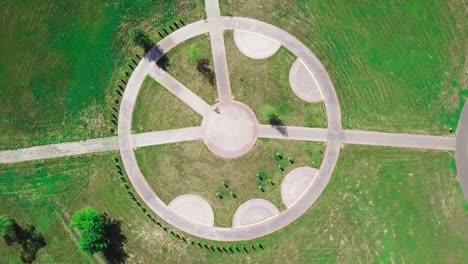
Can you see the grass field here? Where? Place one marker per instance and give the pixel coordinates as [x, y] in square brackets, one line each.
[183, 66]
[396, 65]
[183, 168]
[157, 109]
[388, 208]
[61, 62]
[264, 84]
[406, 74]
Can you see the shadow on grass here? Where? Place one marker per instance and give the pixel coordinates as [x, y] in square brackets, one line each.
[278, 124]
[29, 239]
[115, 251]
[203, 67]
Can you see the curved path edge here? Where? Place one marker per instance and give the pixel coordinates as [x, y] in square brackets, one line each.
[125, 137]
[461, 153]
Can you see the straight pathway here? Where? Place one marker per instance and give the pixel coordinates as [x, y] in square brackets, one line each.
[179, 90]
[59, 150]
[398, 140]
[359, 137]
[294, 133]
[90, 146]
[264, 131]
[218, 49]
[167, 136]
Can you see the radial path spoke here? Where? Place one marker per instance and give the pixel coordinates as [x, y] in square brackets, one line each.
[167, 136]
[212, 8]
[293, 133]
[179, 90]
[218, 49]
[397, 140]
[59, 150]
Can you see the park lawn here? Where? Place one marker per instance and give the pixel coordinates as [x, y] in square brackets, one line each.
[388, 77]
[401, 206]
[390, 207]
[46, 194]
[157, 109]
[183, 66]
[61, 63]
[264, 84]
[189, 167]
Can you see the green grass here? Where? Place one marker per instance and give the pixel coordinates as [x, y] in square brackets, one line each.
[189, 167]
[393, 63]
[183, 66]
[396, 66]
[157, 109]
[61, 62]
[373, 210]
[264, 84]
[47, 194]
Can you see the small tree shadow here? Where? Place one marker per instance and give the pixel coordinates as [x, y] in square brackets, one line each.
[203, 67]
[278, 124]
[142, 39]
[156, 54]
[115, 251]
[29, 239]
[163, 62]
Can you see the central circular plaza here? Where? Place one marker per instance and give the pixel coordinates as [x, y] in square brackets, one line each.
[230, 130]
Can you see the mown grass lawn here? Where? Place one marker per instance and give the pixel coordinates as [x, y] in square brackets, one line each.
[397, 66]
[264, 85]
[386, 208]
[61, 62]
[190, 168]
[157, 109]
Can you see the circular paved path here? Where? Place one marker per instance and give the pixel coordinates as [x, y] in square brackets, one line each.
[231, 130]
[126, 143]
[254, 45]
[193, 207]
[303, 83]
[462, 150]
[254, 211]
[296, 183]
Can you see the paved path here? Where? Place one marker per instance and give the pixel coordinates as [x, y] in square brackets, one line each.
[89, 146]
[218, 49]
[462, 150]
[254, 45]
[296, 183]
[361, 138]
[59, 150]
[179, 90]
[167, 136]
[264, 131]
[302, 83]
[194, 207]
[397, 140]
[333, 135]
[294, 133]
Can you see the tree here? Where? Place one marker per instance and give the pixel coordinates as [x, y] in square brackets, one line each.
[91, 223]
[142, 39]
[6, 225]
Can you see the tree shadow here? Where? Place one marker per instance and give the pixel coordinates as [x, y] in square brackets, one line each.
[115, 251]
[29, 239]
[156, 54]
[142, 39]
[278, 124]
[203, 67]
[163, 62]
